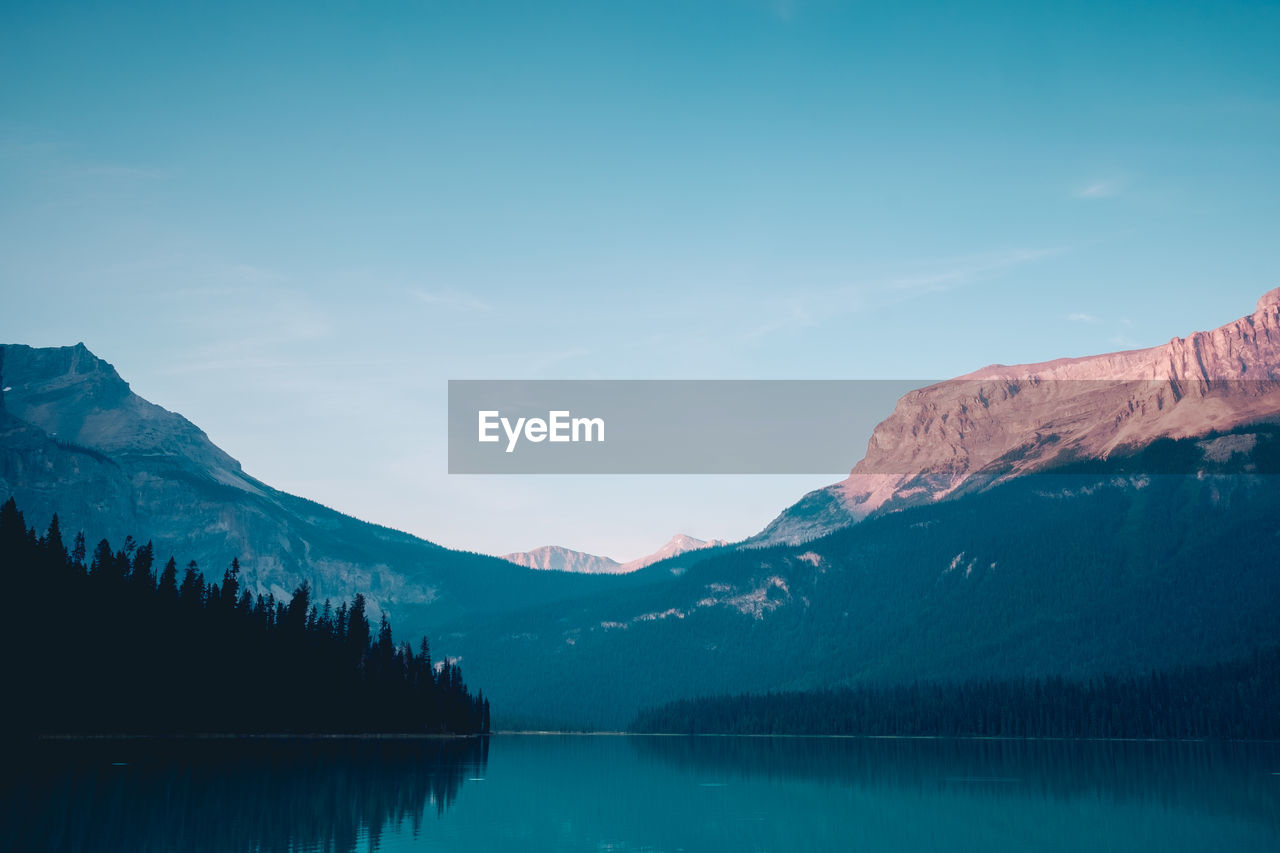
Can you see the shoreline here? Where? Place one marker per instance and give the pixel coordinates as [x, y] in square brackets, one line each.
[410, 736]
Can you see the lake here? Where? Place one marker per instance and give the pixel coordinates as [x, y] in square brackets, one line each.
[632, 793]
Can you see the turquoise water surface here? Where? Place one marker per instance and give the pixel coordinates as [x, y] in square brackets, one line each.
[624, 793]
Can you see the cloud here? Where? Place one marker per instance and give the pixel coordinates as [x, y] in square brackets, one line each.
[243, 320]
[21, 147]
[452, 301]
[1098, 189]
[1123, 340]
[119, 171]
[1080, 317]
[959, 271]
[252, 276]
[789, 318]
[783, 10]
[811, 308]
[61, 161]
[536, 365]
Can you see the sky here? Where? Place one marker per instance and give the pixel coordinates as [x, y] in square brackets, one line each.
[294, 223]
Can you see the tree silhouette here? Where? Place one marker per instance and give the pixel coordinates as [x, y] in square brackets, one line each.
[125, 651]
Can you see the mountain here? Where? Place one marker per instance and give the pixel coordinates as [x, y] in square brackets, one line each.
[1080, 575]
[1001, 422]
[560, 559]
[1079, 518]
[679, 544]
[557, 558]
[76, 440]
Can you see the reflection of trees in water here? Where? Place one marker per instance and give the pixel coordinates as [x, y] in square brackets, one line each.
[1208, 777]
[223, 794]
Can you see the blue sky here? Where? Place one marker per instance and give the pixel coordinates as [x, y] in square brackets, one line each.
[293, 223]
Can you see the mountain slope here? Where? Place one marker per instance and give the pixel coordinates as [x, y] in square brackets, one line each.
[1079, 575]
[1145, 539]
[557, 558]
[1001, 422]
[74, 439]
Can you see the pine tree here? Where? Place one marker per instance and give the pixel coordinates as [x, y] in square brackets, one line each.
[141, 575]
[54, 549]
[168, 589]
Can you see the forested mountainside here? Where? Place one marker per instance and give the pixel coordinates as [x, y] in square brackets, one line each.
[1077, 575]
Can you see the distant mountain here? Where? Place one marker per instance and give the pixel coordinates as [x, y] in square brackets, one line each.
[557, 558]
[560, 559]
[1000, 422]
[676, 545]
[74, 439]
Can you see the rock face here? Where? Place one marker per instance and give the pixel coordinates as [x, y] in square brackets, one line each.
[1000, 422]
[76, 397]
[557, 558]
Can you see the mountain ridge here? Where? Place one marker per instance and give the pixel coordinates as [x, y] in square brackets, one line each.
[1097, 565]
[75, 440]
[560, 558]
[1000, 421]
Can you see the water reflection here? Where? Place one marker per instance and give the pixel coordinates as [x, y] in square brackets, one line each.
[280, 794]
[566, 793]
[1216, 779]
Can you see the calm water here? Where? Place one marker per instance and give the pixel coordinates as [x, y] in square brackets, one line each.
[642, 793]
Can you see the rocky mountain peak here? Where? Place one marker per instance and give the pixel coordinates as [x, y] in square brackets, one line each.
[558, 558]
[1269, 300]
[1002, 421]
[681, 543]
[75, 396]
[63, 372]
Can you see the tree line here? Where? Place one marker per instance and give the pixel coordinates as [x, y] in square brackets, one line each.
[105, 642]
[1235, 699]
